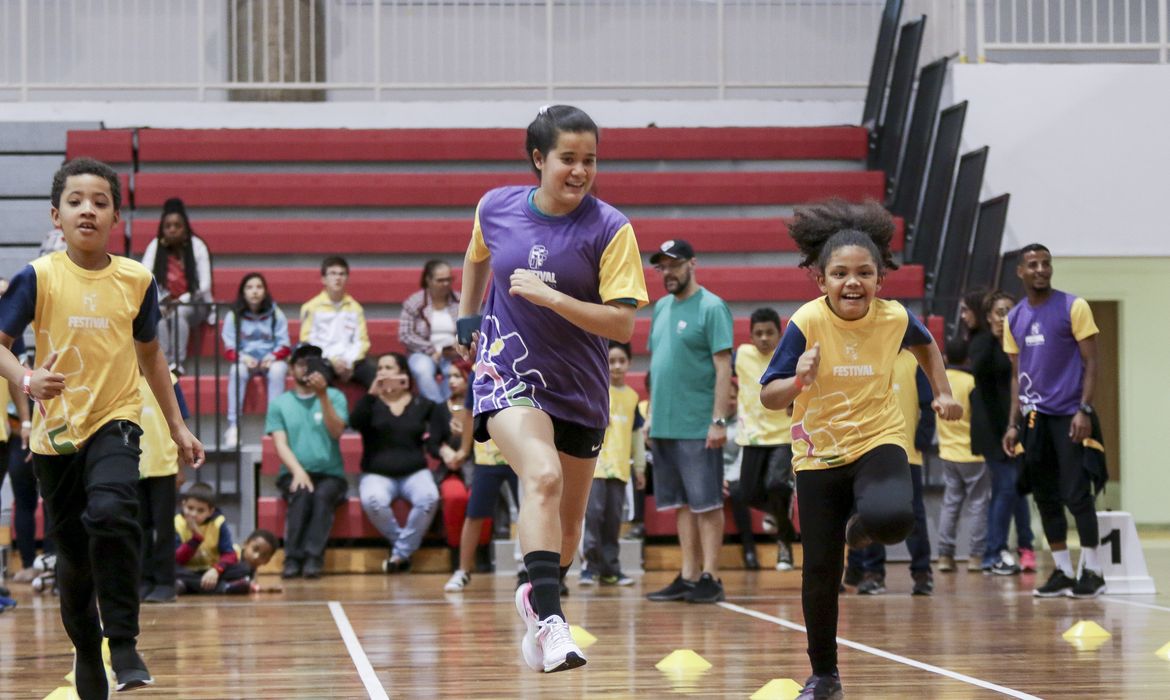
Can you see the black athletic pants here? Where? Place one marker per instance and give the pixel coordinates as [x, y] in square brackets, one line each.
[878, 486]
[1058, 479]
[91, 503]
[310, 515]
[156, 503]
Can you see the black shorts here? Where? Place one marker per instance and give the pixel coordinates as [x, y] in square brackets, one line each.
[573, 439]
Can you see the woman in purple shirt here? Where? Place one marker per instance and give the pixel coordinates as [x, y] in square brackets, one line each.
[568, 276]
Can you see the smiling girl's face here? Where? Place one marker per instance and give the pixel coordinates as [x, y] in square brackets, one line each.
[851, 280]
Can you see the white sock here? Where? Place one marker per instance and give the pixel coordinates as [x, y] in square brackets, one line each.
[1063, 561]
[1089, 559]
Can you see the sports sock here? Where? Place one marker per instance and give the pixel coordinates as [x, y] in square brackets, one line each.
[1063, 561]
[1089, 559]
[544, 575]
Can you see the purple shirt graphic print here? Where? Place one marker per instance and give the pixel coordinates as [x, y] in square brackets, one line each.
[529, 355]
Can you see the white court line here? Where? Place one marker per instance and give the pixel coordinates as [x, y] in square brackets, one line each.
[1151, 606]
[365, 670]
[885, 654]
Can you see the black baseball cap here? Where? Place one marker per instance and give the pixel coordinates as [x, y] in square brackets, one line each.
[305, 350]
[675, 249]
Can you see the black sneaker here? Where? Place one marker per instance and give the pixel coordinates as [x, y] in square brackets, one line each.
[1058, 586]
[923, 583]
[751, 562]
[855, 535]
[1005, 565]
[314, 567]
[129, 668]
[160, 594]
[292, 569]
[784, 557]
[1090, 585]
[826, 687]
[707, 589]
[678, 589]
[872, 584]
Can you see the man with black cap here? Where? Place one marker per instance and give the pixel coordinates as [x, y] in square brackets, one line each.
[690, 368]
[306, 425]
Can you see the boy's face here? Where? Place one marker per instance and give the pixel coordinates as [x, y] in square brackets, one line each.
[765, 336]
[86, 214]
[335, 279]
[197, 509]
[619, 364]
[257, 552]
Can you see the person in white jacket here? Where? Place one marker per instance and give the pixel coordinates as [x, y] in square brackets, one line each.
[183, 274]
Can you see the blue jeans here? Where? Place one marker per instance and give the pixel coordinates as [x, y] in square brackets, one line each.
[378, 492]
[1006, 502]
[423, 368]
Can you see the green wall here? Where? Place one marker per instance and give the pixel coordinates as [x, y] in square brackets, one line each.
[1141, 287]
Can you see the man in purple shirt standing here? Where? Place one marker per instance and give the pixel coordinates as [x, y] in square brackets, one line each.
[1052, 341]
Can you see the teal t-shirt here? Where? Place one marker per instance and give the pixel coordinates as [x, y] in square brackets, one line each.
[684, 336]
[301, 419]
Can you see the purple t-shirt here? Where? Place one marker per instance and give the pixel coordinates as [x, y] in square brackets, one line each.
[1046, 337]
[529, 355]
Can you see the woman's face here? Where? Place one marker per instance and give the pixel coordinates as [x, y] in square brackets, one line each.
[439, 283]
[566, 174]
[968, 316]
[174, 230]
[392, 374]
[457, 383]
[995, 317]
[254, 292]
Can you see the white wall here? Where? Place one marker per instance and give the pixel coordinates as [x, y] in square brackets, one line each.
[1083, 149]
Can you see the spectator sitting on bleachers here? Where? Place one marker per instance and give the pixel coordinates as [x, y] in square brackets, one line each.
[255, 341]
[306, 425]
[336, 323]
[396, 427]
[183, 274]
[427, 329]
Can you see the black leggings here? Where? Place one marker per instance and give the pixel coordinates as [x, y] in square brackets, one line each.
[878, 486]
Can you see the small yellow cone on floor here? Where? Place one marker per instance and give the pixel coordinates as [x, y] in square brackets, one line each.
[778, 689]
[1086, 635]
[1164, 652]
[683, 660]
[581, 636]
[65, 692]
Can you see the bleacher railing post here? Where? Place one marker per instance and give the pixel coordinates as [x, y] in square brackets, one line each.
[1163, 39]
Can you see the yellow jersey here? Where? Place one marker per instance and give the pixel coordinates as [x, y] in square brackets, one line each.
[954, 436]
[850, 409]
[617, 449]
[91, 319]
[160, 454]
[757, 425]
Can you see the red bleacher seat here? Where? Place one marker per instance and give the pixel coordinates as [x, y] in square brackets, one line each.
[463, 190]
[422, 145]
[392, 285]
[113, 146]
[450, 236]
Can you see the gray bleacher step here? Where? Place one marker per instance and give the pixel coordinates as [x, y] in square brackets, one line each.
[504, 554]
[28, 176]
[26, 220]
[39, 137]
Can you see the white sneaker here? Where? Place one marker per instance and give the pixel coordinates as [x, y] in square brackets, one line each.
[560, 652]
[529, 648]
[457, 582]
[231, 437]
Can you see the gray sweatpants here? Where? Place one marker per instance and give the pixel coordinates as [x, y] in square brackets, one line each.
[966, 482]
[603, 522]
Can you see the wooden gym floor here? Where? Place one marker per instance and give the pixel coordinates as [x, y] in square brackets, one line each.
[358, 636]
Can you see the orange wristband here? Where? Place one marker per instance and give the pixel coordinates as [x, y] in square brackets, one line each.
[799, 384]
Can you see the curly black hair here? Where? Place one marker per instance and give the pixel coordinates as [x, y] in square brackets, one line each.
[820, 229]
